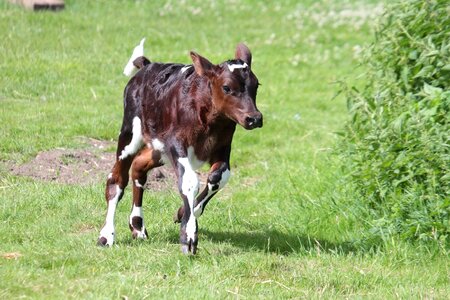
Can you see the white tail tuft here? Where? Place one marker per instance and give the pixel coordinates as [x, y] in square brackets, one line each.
[130, 69]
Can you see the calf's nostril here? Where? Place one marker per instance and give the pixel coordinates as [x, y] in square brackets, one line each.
[250, 120]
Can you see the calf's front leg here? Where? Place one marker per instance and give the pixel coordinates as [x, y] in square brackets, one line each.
[188, 185]
[218, 177]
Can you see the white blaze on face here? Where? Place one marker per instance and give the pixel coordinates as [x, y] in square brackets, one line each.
[232, 67]
[189, 187]
[108, 230]
[136, 141]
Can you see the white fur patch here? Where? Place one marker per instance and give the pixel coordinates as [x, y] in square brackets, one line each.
[232, 67]
[130, 68]
[157, 145]
[190, 182]
[136, 141]
[185, 68]
[136, 183]
[108, 230]
[189, 188]
[193, 160]
[136, 212]
[198, 210]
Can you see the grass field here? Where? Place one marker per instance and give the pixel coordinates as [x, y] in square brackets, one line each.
[284, 227]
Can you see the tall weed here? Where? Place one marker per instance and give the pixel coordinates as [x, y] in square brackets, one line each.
[396, 143]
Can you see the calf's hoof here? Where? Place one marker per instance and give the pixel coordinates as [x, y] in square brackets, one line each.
[106, 237]
[102, 242]
[189, 248]
[139, 234]
[138, 230]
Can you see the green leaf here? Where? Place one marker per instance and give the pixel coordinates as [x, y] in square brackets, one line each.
[424, 72]
[413, 55]
[431, 90]
[432, 53]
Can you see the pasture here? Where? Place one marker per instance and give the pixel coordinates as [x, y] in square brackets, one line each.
[284, 227]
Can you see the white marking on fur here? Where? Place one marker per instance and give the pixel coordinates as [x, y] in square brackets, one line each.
[232, 67]
[198, 210]
[110, 175]
[193, 160]
[130, 68]
[136, 183]
[157, 145]
[185, 68]
[136, 141]
[189, 188]
[190, 182]
[137, 212]
[108, 230]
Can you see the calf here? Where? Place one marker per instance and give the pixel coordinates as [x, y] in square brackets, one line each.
[185, 116]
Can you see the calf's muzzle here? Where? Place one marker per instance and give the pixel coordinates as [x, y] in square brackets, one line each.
[254, 121]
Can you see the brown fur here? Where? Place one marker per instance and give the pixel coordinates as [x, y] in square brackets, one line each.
[197, 108]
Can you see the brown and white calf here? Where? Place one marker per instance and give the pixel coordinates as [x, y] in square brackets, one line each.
[185, 116]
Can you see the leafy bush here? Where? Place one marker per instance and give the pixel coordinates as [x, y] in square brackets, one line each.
[396, 144]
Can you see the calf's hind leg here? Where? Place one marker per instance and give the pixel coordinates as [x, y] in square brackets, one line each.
[115, 185]
[130, 142]
[146, 160]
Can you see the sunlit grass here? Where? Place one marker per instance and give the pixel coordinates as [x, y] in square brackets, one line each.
[280, 229]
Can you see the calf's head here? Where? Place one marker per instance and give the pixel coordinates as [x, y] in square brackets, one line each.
[233, 87]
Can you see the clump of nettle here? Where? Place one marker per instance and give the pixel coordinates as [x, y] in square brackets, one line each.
[396, 144]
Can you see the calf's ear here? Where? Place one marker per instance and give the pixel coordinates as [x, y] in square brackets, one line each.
[244, 54]
[201, 65]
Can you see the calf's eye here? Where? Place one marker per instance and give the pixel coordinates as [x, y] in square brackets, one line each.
[226, 89]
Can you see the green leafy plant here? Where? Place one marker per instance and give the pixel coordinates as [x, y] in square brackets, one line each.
[397, 141]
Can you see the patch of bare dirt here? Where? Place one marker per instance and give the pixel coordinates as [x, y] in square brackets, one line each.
[11, 255]
[88, 165]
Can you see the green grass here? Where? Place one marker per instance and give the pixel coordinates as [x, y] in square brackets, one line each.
[397, 144]
[282, 228]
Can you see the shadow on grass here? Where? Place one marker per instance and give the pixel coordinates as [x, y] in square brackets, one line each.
[274, 241]
[270, 241]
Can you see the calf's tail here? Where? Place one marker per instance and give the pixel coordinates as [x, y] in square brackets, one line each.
[137, 60]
